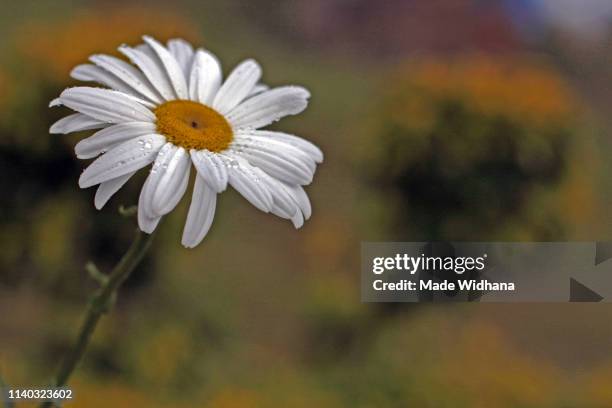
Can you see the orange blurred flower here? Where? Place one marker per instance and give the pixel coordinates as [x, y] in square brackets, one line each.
[520, 90]
[58, 46]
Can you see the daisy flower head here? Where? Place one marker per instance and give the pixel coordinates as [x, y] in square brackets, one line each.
[169, 108]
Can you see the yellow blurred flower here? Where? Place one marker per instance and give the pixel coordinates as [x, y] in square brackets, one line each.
[113, 394]
[466, 363]
[596, 386]
[578, 199]
[60, 45]
[163, 354]
[275, 389]
[233, 398]
[490, 372]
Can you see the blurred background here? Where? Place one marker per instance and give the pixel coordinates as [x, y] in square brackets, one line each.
[441, 119]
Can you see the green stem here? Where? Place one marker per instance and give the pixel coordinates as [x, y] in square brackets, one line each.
[100, 304]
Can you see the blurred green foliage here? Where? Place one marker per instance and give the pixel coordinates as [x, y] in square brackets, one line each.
[261, 315]
[471, 146]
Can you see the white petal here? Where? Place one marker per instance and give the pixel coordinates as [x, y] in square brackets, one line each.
[146, 223]
[106, 105]
[108, 188]
[152, 69]
[205, 77]
[92, 73]
[147, 50]
[110, 137]
[127, 73]
[201, 213]
[280, 212]
[182, 52]
[123, 159]
[288, 168]
[173, 69]
[168, 180]
[268, 107]
[257, 89]
[302, 144]
[237, 86]
[251, 141]
[297, 220]
[88, 72]
[212, 168]
[248, 183]
[76, 123]
[284, 204]
[301, 198]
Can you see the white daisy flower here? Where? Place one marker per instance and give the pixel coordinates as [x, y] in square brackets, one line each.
[171, 108]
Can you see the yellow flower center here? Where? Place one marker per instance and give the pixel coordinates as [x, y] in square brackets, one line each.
[193, 126]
